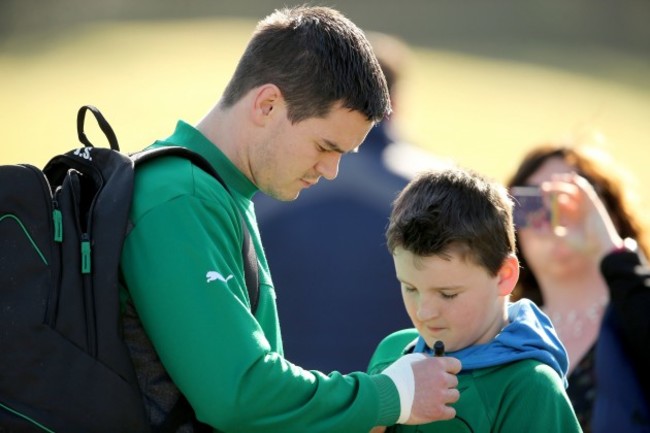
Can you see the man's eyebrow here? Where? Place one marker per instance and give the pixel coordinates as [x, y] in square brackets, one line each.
[331, 146]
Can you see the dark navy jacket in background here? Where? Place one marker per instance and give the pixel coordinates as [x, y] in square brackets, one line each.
[334, 277]
[622, 358]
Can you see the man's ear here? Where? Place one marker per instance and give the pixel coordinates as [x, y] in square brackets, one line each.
[508, 275]
[267, 102]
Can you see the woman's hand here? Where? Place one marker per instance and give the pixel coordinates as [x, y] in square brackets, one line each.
[580, 215]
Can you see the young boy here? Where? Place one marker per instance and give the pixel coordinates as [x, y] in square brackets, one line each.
[452, 239]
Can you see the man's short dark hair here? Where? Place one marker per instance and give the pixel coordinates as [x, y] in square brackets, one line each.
[317, 57]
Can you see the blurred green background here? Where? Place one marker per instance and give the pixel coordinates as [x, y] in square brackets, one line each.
[487, 79]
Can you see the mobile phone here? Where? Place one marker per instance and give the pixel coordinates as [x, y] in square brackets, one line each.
[529, 208]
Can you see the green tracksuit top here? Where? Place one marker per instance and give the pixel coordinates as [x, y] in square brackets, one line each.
[183, 267]
[524, 396]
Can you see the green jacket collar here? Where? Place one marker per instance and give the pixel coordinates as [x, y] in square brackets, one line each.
[187, 136]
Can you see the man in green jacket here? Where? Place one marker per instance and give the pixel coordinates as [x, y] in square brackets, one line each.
[306, 91]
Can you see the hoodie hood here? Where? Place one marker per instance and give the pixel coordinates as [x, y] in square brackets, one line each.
[529, 335]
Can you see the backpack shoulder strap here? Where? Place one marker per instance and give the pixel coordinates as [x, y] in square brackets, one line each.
[248, 250]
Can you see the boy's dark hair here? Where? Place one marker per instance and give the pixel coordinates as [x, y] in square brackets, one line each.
[317, 57]
[454, 210]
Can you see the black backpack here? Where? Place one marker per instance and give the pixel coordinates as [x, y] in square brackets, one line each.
[64, 366]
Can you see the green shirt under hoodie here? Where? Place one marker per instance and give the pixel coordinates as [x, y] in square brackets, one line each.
[227, 362]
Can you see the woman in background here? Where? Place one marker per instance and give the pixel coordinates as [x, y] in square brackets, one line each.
[561, 262]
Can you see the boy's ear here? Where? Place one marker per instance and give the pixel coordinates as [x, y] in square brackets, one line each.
[508, 275]
[267, 102]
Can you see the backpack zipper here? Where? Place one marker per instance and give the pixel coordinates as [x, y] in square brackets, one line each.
[85, 253]
[57, 219]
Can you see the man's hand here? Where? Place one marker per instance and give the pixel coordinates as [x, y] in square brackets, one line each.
[426, 386]
[435, 389]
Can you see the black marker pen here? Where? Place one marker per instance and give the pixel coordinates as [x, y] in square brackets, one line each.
[438, 348]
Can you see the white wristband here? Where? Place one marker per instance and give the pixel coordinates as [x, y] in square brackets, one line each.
[401, 373]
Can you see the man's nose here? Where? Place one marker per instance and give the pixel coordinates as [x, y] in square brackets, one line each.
[328, 166]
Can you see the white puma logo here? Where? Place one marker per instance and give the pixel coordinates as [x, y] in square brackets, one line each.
[214, 275]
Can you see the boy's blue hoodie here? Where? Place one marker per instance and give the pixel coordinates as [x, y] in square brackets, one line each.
[529, 335]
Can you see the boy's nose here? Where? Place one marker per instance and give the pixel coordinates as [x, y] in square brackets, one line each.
[427, 309]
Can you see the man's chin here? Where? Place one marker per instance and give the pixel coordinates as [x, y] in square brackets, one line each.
[292, 198]
[284, 196]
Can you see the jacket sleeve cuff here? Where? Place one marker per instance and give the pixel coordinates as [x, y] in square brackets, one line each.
[401, 373]
[389, 404]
